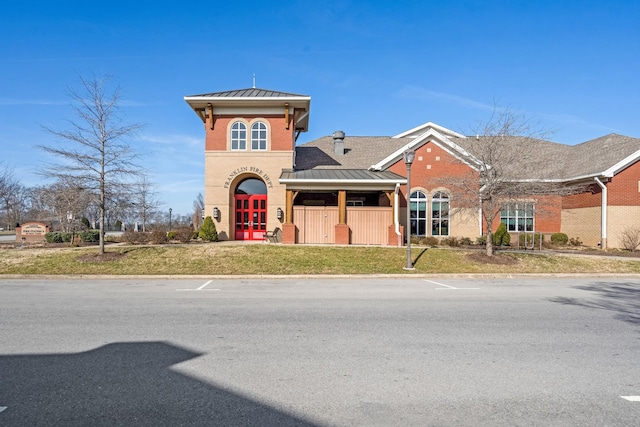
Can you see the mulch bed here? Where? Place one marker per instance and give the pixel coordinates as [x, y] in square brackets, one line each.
[496, 259]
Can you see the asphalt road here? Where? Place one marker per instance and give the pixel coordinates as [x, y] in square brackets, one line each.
[322, 352]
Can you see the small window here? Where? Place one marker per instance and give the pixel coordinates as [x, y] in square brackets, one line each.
[518, 216]
[238, 136]
[258, 136]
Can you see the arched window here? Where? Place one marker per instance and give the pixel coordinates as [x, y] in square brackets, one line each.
[440, 214]
[238, 136]
[251, 186]
[418, 204]
[258, 136]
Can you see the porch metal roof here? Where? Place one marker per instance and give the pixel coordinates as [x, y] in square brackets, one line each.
[337, 178]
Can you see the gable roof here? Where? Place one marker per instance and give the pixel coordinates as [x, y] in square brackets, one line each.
[360, 152]
[604, 156]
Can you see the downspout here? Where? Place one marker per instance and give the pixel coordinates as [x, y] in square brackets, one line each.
[396, 213]
[481, 233]
[603, 213]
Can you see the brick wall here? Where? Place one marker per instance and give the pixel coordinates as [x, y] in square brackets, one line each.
[280, 138]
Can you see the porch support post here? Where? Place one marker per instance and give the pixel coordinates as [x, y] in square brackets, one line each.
[342, 231]
[289, 208]
[342, 207]
[289, 228]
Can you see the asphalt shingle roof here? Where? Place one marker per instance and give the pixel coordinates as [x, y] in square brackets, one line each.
[360, 152]
[543, 160]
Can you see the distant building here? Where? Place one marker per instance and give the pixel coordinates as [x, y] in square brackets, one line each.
[344, 189]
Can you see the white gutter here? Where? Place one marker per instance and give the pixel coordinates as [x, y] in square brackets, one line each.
[396, 211]
[603, 212]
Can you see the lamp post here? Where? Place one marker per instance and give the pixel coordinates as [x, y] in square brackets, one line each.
[170, 218]
[408, 157]
[69, 220]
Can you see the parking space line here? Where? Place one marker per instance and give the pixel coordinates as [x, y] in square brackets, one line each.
[201, 288]
[446, 287]
[631, 398]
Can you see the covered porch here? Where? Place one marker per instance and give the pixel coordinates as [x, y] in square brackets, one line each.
[342, 207]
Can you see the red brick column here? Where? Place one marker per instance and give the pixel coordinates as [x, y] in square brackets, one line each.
[343, 233]
[393, 239]
[289, 234]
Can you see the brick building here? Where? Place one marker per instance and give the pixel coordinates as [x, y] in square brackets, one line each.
[343, 189]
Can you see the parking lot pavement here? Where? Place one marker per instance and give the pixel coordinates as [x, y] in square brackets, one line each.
[337, 352]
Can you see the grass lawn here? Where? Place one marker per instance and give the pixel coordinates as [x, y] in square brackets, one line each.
[266, 259]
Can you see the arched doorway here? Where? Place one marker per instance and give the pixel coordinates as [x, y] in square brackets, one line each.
[250, 201]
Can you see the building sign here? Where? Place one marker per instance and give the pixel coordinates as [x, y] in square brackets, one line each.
[248, 169]
[33, 229]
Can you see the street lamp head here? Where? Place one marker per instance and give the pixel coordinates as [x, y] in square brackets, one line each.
[408, 156]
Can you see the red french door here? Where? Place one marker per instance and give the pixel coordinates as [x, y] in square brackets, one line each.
[251, 216]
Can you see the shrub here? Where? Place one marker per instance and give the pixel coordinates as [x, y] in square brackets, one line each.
[501, 237]
[208, 231]
[559, 239]
[171, 235]
[430, 241]
[54, 237]
[575, 241]
[183, 234]
[630, 238]
[158, 237]
[525, 239]
[85, 222]
[451, 241]
[132, 237]
[89, 236]
[482, 240]
[465, 241]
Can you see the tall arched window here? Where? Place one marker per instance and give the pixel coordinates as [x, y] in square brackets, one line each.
[258, 136]
[418, 206]
[440, 214]
[238, 136]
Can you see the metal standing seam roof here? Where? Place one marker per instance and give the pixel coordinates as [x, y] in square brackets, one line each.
[343, 175]
[249, 93]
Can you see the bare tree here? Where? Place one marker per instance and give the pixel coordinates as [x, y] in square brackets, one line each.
[97, 157]
[60, 199]
[509, 161]
[145, 201]
[198, 211]
[11, 197]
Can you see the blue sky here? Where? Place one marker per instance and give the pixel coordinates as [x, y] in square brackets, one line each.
[371, 68]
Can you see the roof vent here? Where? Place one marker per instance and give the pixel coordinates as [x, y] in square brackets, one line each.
[338, 143]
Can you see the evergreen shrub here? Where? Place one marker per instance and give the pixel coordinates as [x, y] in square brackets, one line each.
[501, 237]
[559, 239]
[208, 231]
[89, 236]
